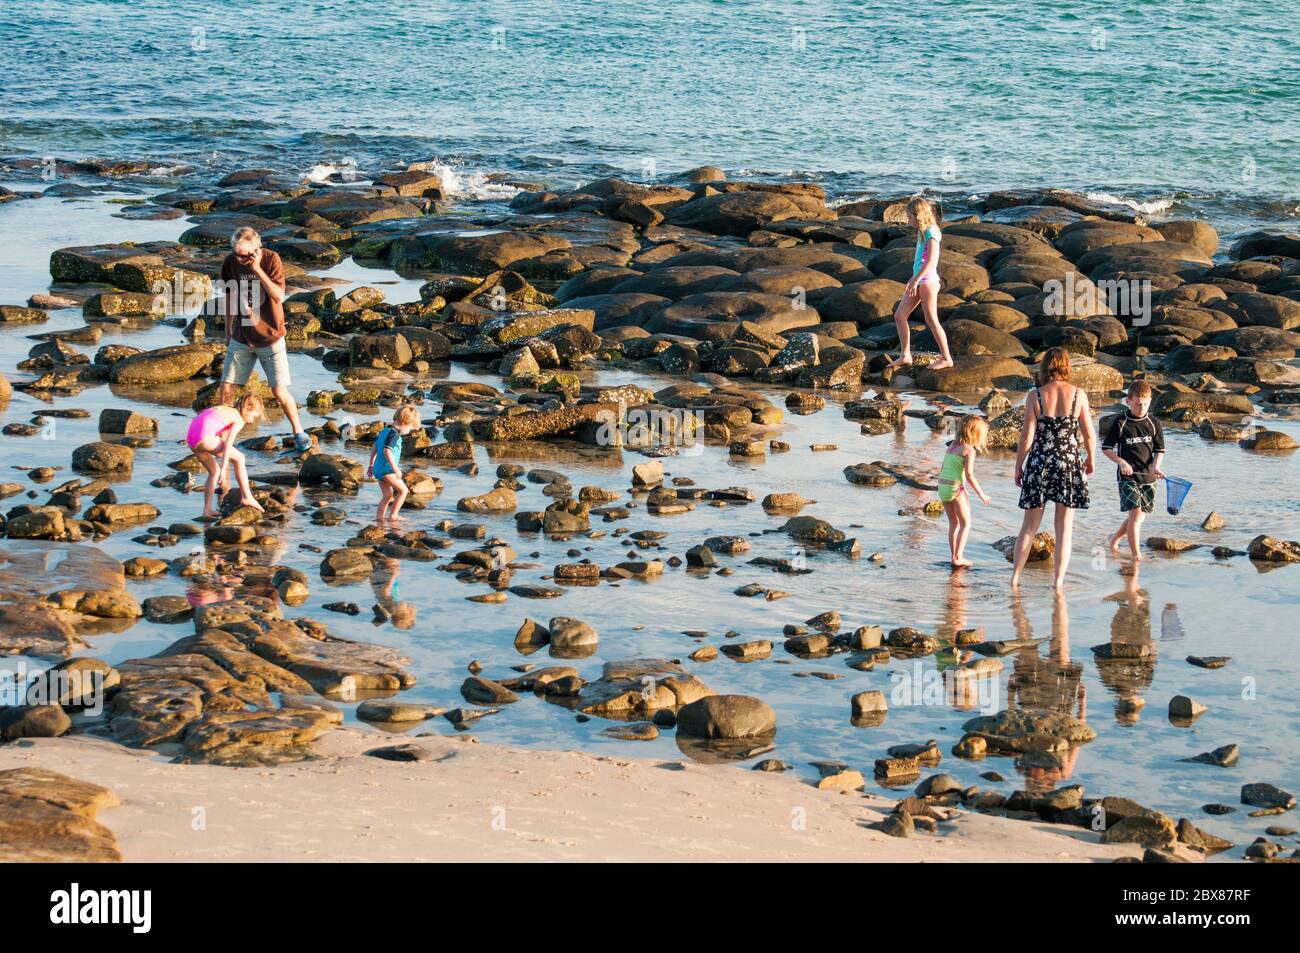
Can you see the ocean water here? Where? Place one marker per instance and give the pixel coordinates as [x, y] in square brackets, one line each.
[1188, 107]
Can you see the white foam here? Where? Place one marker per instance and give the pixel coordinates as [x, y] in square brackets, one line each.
[459, 183]
[1154, 207]
[156, 170]
[345, 172]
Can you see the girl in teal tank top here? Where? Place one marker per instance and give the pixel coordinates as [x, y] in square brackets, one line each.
[923, 287]
[957, 472]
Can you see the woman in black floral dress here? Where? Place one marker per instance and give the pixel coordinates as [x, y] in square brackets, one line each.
[1049, 465]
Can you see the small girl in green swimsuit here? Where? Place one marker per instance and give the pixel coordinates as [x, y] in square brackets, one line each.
[959, 470]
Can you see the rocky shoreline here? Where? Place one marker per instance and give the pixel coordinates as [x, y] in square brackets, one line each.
[718, 283]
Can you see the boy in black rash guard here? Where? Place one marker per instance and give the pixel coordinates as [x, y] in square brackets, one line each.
[1137, 445]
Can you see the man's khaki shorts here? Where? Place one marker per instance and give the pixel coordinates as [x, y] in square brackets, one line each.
[239, 363]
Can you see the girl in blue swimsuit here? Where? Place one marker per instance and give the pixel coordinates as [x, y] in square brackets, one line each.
[923, 287]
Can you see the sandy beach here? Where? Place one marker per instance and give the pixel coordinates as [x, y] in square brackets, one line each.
[481, 802]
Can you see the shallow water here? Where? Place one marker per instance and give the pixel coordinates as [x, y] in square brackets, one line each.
[1189, 604]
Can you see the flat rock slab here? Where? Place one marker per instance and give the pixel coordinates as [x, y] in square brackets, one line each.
[35, 567]
[36, 630]
[333, 666]
[245, 738]
[48, 817]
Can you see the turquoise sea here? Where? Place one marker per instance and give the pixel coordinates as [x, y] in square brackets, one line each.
[1185, 106]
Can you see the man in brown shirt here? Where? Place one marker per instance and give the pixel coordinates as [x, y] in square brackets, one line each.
[253, 289]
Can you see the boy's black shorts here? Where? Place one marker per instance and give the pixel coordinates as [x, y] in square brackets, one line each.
[1133, 494]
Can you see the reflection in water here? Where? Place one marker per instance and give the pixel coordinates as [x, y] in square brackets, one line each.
[383, 583]
[1053, 684]
[1171, 627]
[966, 689]
[1126, 665]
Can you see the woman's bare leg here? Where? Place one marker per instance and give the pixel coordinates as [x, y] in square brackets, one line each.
[1025, 541]
[1064, 542]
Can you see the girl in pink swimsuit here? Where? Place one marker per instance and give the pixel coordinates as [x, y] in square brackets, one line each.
[212, 438]
[923, 288]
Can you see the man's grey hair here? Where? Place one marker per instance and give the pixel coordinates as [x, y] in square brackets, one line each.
[245, 233]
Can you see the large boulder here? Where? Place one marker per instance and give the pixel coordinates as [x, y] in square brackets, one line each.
[677, 281]
[1143, 259]
[88, 264]
[163, 365]
[621, 310]
[1191, 232]
[977, 373]
[500, 499]
[324, 469]
[517, 325]
[1267, 242]
[101, 457]
[715, 315]
[348, 208]
[1270, 549]
[49, 817]
[1259, 342]
[572, 638]
[966, 338]
[868, 303]
[389, 351]
[737, 213]
[475, 254]
[990, 313]
[726, 716]
[1258, 309]
[1080, 238]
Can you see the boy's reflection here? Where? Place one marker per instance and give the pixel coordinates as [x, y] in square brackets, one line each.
[1127, 663]
[383, 583]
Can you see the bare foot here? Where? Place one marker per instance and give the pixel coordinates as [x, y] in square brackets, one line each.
[1113, 543]
[1058, 584]
[211, 514]
[962, 564]
[1015, 581]
[939, 365]
[249, 501]
[903, 361]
